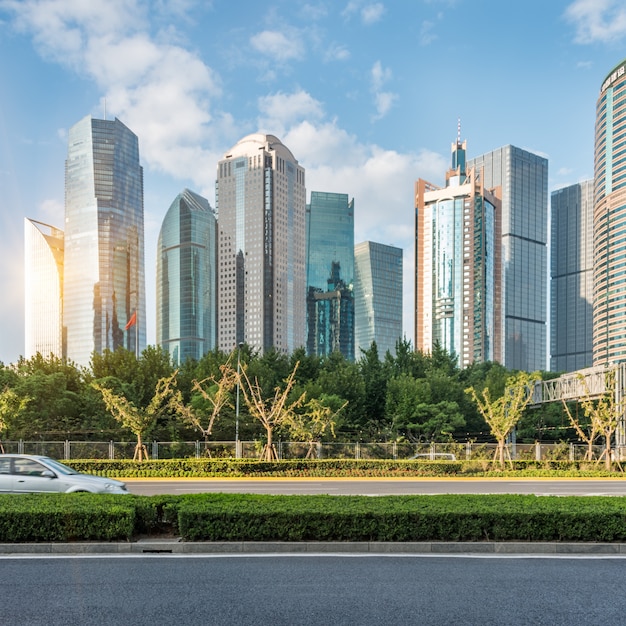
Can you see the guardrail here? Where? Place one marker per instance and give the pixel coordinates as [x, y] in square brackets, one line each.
[67, 450]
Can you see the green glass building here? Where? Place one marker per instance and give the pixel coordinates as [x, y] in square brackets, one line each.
[186, 279]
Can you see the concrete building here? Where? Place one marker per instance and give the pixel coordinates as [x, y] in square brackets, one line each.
[261, 199]
[458, 264]
[609, 221]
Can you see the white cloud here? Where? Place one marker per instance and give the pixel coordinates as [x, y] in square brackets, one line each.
[281, 46]
[383, 100]
[427, 35]
[280, 111]
[369, 12]
[597, 20]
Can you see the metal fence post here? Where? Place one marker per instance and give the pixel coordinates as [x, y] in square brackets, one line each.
[155, 450]
[66, 449]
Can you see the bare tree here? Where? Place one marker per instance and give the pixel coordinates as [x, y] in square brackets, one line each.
[273, 412]
[604, 414]
[588, 436]
[136, 419]
[215, 392]
[502, 414]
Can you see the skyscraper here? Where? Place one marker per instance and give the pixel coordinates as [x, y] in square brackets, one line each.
[104, 279]
[457, 264]
[571, 271]
[377, 297]
[330, 274]
[261, 197]
[609, 221]
[523, 178]
[186, 279]
[43, 289]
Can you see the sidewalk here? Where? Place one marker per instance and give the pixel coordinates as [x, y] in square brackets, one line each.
[175, 546]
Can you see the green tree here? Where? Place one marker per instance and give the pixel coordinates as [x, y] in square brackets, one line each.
[11, 405]
[375, 380]
[503, 413]
[137, 419]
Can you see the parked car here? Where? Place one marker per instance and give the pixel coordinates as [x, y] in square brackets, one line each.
[29, 473]
[433, 456]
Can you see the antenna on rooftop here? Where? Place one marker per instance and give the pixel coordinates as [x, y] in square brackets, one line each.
[105, 108]
[458, 132]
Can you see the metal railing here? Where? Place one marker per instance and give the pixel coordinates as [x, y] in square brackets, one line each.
[67, 450]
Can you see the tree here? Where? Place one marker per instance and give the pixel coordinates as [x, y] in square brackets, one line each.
[11, 405]
[213, 393]
[604, 415]
[271, 412]
[312, 424]
[504, 412]
[137, 420]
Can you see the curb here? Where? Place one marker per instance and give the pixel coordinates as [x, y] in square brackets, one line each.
[176, 546]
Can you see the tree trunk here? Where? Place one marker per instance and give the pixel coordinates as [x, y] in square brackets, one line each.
[607, 451]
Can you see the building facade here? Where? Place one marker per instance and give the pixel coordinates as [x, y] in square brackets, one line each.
[186, 320]
[330, 274]
[458, 265]
[377, 297]
[523, 179]
[261, 198]
[571, 272]
[43, 289]
[104, 277]
[609, 221]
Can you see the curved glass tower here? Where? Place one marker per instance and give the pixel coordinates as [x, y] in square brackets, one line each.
[104, 282]
[43, 288]
[186, 277]
[609, 221]
[261, 197]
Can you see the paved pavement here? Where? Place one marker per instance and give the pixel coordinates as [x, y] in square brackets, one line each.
[176, 546]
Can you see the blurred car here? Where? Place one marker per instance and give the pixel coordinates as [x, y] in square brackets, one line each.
[433, 456]
[30, 473]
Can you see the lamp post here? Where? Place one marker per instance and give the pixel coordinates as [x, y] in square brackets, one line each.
[237, 445]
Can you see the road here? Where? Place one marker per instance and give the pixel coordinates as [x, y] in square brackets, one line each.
[379, 486]
[311, 590]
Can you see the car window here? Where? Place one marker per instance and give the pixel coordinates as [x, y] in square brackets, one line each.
[5, 466]
[28, 467]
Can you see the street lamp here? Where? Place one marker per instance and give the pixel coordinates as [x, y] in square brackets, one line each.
[237, 454]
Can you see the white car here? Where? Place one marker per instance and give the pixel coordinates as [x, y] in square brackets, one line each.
[30, 473]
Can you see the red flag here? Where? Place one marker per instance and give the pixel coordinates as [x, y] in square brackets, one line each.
[132, 321]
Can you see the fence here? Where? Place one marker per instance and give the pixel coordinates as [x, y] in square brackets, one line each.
[298, 450]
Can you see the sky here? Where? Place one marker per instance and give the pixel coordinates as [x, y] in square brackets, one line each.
[366, 94]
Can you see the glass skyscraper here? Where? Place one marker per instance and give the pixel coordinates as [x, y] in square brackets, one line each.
[377, 297]
[457, 265]
[261, 198]
[186, 279]
[571, 271]
[104, 279]
[609, 275]
[523, 178]
[330, 274]
[43, 289]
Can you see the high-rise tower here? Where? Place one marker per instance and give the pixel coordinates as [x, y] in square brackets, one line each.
[457, 264]
[43, 289]
[523, 178]
[261, 197]
[186, 279]
[330, 274]
[609, 221]
[571, 271]
[377, 297]
[104, 280]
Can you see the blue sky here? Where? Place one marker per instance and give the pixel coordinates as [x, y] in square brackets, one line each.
[365, 93]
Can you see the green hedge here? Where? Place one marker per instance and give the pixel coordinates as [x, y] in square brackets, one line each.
[332, 468]
[247, 517]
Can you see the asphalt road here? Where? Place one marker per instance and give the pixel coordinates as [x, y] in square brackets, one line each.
[377, 487]
[311, 590]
